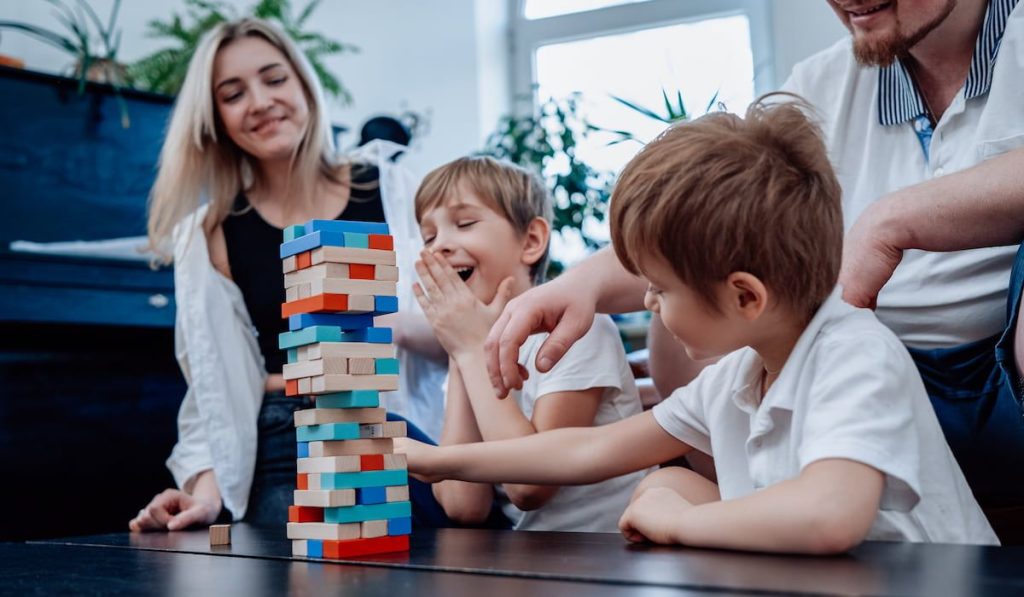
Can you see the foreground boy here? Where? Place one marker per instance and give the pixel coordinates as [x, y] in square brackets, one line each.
[819, 425]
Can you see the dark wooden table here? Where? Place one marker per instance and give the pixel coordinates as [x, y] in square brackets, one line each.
[492, 563]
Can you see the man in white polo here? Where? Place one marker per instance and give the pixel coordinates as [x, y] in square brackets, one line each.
[920, 90]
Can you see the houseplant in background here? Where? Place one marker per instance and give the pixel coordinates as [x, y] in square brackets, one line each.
[545, 142]
[164, 70]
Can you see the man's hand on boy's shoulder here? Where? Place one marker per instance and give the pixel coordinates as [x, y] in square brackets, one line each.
[460, 320]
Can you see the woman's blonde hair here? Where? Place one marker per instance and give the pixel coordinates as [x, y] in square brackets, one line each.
[198, 158]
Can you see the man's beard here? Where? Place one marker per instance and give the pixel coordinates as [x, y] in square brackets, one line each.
[882, 51]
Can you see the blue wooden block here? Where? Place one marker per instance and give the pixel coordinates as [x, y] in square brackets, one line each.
[364, 479]
[303, 450]
[345, 321]
[386, 367]
[372, 335]
[385, 304]
[309, 242]
[317, 333]
[314, 548]
[400, 526]
[356, 240]
[349, 399]
[371, 495]
[293, 355]
[347, 226]
[327, 431]
[357, 513]
[294, 232]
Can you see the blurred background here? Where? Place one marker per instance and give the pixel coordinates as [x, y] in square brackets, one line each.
[89, 387]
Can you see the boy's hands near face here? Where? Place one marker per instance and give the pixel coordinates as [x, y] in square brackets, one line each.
[460, 320]
[647, 517]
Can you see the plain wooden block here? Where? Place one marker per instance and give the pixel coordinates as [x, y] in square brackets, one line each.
[387, 273]
[387, 429]
[329, 303]
[288, 264]
[305, 385]
[351, 255]
[325, 531]
[329, 464]
[364, 547]
[361, 366]
[324, 498]
[299, 548]
[351, 447]
[325, 384]
[306, 291]
[329, 366]
[316, 272]
[397, 493]
[220, 534]
[325, 350]
[319, 416]
[367, 287]
[291, 294]
[373, 528]
[395, 461]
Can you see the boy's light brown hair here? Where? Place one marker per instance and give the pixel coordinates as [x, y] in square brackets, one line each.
[725, 194]
[512, 191]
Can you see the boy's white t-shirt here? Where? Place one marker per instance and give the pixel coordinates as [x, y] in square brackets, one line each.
[848, 390]
[595, 360]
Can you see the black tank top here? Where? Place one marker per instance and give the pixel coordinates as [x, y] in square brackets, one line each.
[254, 258]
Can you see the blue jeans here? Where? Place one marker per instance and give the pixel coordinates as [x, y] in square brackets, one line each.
[976, 391]
[275, 475]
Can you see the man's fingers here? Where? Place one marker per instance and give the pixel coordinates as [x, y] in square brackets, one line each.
[569, 329]
[492, 353]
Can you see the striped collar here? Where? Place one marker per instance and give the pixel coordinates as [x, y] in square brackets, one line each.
[898, 99]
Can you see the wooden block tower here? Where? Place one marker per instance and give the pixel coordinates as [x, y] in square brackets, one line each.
[352, 495]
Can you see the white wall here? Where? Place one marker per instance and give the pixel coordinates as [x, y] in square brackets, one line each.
[801, 28]
[426, 56]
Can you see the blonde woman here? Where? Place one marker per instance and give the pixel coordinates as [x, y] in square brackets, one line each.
[249, 152]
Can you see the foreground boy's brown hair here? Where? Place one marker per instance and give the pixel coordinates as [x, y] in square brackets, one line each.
[727, 194]
[510, 190]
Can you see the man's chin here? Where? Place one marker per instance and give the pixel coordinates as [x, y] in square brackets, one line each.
[878, 52]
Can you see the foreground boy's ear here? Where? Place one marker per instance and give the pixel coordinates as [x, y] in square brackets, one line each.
[746, 295]
[535, 241]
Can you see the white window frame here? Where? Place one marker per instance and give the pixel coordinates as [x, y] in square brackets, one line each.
[530, 34]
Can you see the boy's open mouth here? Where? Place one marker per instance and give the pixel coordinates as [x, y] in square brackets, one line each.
[464, 272]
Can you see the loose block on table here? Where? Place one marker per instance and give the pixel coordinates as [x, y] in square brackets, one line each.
[324, 498]
[349, 399]
[324, 531]
[220, 534]
[351, 447]
[371, 512]
[350, 255]
[319, 416]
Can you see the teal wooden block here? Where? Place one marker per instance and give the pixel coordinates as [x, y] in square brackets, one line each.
[363, 479]
[293, 355]
[387, 511]
[327, 431]
[357, 240]
[317, 333]
[294, 232]
[350, 399]
[386, 366]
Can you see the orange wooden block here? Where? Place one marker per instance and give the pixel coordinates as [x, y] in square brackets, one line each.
[371, 462]
[315, 304]
[305, 514]
[360, 271]
[385, 242]
[302, 481]
[365, 547]
[304, 260]
[291, 387]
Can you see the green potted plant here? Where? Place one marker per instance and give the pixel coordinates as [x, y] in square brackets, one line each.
[164, 70]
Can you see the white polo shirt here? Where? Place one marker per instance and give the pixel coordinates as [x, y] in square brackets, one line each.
[848, 390]
[934, 300]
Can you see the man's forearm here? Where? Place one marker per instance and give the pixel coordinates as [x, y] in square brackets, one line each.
[616, 290]
[982, 206]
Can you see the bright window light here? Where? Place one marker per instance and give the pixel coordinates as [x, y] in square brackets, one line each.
[540, 9]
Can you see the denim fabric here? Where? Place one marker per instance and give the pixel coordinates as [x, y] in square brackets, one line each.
[976, 391]
[275, 474]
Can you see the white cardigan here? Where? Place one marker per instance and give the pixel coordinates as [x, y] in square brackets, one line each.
[216, 347]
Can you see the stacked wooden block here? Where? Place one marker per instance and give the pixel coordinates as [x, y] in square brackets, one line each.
[352, 495]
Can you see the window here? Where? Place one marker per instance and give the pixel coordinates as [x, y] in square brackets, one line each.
[539, 9]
